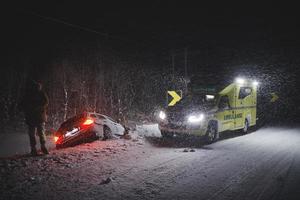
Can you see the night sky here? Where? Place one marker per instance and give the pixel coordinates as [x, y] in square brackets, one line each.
[229, 39]
[154, 25]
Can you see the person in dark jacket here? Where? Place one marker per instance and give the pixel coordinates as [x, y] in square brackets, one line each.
[34, 105]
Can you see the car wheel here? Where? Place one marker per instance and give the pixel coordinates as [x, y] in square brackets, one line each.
[211, 134]
[107, 134]
[246, 127]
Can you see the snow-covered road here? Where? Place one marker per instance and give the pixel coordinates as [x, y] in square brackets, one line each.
[261, 165]
[17, 143]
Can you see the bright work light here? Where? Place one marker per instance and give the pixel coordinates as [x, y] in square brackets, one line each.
[209, 97]
[240, 80]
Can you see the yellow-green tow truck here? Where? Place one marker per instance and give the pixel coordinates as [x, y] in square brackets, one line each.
[209, 113]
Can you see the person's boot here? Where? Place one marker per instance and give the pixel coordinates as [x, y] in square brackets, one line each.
[44, 149]
[33, 151]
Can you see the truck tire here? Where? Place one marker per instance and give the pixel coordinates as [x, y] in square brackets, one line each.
[245, 130]
[212, 134]
[166, 134]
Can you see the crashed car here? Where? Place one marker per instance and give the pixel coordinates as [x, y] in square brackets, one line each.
[87, 126]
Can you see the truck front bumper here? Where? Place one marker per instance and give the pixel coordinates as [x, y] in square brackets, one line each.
[199, 129]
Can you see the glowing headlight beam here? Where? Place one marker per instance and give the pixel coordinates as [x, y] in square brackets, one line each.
[162, 115]
[240, 80]
[195, 118]
[255, 83]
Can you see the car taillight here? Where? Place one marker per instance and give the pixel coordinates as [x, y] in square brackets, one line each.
[56, 139]
[88, 121]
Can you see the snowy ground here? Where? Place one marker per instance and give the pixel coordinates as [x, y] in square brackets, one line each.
[17, 143]
[261, 165]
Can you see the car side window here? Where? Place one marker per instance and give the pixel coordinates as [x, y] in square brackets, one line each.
[224, 103]
[244, 92]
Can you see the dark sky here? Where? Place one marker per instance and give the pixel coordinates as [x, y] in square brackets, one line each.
[156, 27]
[155, 22]
[261, 39]
[219, 37]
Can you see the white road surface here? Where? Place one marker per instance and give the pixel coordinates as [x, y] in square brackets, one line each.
[261, 165]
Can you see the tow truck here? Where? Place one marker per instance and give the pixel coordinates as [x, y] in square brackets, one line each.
[208, 111]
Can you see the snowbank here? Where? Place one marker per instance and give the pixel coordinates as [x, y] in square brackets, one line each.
[148, 130]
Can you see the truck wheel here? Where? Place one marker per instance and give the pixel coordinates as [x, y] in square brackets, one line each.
[211, 134]
[107, 134]
[246, 127]
[166, 134]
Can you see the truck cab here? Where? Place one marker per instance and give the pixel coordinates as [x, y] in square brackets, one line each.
[209, 112]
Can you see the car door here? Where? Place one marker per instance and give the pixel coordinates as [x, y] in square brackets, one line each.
[98, 124]
[112, 125]
[225, 114]
[120, 129]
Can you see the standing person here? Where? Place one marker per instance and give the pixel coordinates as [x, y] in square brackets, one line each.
[34, 105]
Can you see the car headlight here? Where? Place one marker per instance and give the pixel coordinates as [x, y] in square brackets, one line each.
[195, 118]
[162, 115]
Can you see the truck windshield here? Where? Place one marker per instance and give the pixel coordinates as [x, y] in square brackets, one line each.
[202, 100]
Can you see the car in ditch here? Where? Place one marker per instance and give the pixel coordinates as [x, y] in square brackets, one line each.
[86, 127]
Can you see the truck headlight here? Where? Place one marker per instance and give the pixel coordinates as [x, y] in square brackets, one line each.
[162, 115]
[195, 118]
[255, 83]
